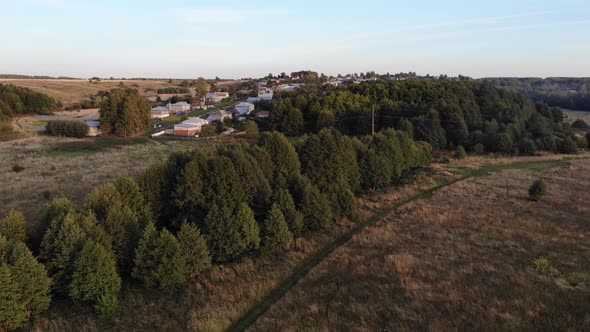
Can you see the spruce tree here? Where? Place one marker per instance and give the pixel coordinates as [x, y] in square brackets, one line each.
[193, 248]
[102, 199]
[14, 226]
[276, 234]
[13, 312]
[283, 199]
[95, 274]
[282, 153]
[146, 260]
[170, 272]
[33, 283]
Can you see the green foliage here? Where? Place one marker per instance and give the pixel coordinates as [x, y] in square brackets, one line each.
[18, 168]
[541, 264]
[201, 87]
[31, 278]
[276, 234]
[170, 272]
[284, 201]
[67, 128]
[282, 153]
[461, 154]
[124, 112]
[567, 146]
[13, 312]
[16, 100]
[14, 226]
[527, 147]
[208, 131]
[312, 203]
[251, 129]
[146, 259]
[107, 306]
[231, 235]
[95, 274]
[537, 190]
[580, 124]
[194, 251]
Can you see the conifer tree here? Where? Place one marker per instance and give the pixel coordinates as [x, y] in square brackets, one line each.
[282, 153]
[95, 274]
[283, 199]
[57, 210]
[14, 226]
[33, 283]
[13, 312]
[170, 272]
[146, 261]
[276, 234]
[193, 248]
[102, 199]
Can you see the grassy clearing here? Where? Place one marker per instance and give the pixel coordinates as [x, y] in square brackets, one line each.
[40, 123]
[478, 256]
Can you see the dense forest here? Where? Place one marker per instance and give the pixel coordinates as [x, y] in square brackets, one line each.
[124, 112]
[446, 114]
[213, 205]
[568, 93]
[16, 100]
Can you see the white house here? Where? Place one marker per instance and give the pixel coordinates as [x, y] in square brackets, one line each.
[244, 108]
[219, 116]
[160, 112]
[198, 122]
[182, 106]
[216, 97]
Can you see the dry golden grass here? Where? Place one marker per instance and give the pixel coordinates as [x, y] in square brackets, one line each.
[462, 260]
[73, 91]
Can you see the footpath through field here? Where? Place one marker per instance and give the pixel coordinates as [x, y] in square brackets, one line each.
[259, 309]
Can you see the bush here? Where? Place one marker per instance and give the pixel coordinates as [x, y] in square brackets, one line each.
[461, 154]
[107, 306]
[251, 130]
[208, 131]
[567, 146]
[582, 142]
[541, 264]
[537, 190]
[479, 148]
[67, 128]
[580, 124]
[17, 168]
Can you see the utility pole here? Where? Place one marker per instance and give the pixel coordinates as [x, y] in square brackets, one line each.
[373, 120]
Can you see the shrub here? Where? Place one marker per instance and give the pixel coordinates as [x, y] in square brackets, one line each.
[107, 306]
[537, 190]
[461, 154]
[582, 142]
[567, 146]
[580, 124]
[17, 168]
[67, 128]
[208, 131]
[251, 130]
[14, 226]
[541, 264]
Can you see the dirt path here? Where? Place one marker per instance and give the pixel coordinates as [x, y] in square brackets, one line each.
[257, 311]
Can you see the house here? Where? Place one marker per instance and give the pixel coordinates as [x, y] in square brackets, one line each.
[180, 107]
[244, 108]
[266, 95]
[93, 127]
[219, 116]
[186, 129]
[253, 99]
[216, 97]
[160, 112]
[196, 122]
[263, 114]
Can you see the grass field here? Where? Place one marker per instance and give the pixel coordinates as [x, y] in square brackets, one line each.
[477, 255]
[73, 91]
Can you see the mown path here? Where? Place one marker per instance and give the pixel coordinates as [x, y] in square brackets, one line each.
[259, 309]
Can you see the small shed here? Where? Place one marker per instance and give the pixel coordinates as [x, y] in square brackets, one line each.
[186, 129]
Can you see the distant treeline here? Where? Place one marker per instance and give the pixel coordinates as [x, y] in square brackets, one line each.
[35, 77]
[569, 93]
[15, 100]
[172, 90]
[447, 114]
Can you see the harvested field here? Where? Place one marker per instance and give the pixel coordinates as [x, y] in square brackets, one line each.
[477, 255]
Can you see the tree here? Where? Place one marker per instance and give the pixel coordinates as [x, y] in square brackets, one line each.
[124, 112]
[251, 129]
[102, 199]
[30, 275]
[13, 312]
[461, 154]
[230, 236]
[276, 234]
[284, 201]
[95, 274]
[146, 260]
[194, 251]
[202, 87]
[60, 252]
[208, 131]
[170, 271]
[537, 190]
[14, 226]
[57, 211]
[282, 153]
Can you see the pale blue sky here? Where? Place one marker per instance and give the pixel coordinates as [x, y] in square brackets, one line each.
[231, 38]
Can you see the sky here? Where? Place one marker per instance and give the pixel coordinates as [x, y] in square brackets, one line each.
[237, 38]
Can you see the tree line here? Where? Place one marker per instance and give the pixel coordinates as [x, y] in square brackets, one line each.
[446, 114]
[213, 205]
[15, 100]
[67, 128]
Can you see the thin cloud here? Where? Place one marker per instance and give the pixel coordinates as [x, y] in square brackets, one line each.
[202, 16]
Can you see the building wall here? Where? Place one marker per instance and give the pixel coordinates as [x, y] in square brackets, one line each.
[187, 133]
